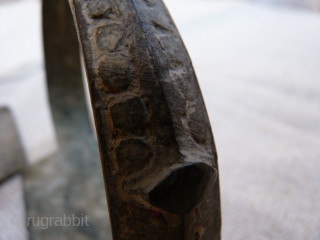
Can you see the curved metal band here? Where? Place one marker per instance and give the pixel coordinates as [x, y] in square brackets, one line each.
[156, 147]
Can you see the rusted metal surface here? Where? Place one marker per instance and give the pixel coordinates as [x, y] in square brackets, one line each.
[157, 151]
[156, 147]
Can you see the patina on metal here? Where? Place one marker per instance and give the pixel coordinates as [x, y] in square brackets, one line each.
[157, 151]
[156, 147]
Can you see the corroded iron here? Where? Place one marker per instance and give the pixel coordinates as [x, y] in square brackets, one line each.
[156, 146]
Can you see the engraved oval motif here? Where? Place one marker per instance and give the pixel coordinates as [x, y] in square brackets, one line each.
[102, 9]
[129, 115]
[171, 47]
[132, 155]
[115, 74]
[109, 37]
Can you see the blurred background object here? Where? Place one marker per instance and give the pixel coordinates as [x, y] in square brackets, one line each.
[257, 63]
[11, 152]
[12, 161]
[26, 129]
[22, 80]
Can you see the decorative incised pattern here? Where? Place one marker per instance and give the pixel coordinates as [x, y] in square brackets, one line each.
[109, 37]
[130, 115]
[155, 140]
[101, 9]
[132, 155]
[115, 75]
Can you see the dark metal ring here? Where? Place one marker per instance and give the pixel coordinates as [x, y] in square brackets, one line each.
[157, 151]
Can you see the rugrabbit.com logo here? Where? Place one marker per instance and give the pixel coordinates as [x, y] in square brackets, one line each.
[46, 222]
